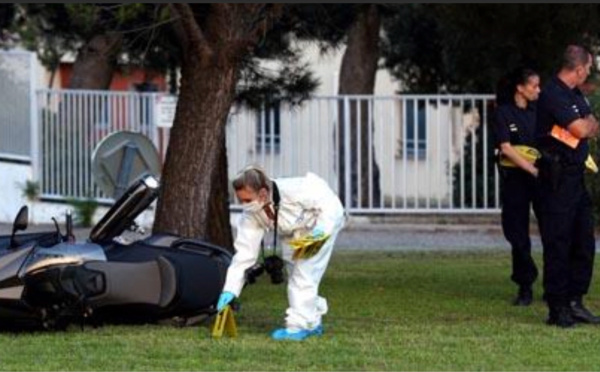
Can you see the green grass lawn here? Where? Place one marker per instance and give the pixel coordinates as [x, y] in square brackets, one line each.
[388, 311]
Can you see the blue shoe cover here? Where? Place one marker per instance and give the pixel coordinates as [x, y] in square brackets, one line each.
[285, 334]
[318, 331]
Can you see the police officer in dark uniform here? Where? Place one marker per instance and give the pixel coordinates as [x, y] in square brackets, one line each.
[515, 130]
[564, 123]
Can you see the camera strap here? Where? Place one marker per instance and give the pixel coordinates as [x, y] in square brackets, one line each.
[276, 200]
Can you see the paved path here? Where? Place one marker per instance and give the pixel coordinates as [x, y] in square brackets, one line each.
[425, 237]
[391, 237]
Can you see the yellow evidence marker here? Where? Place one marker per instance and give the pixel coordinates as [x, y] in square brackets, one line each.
[224, 323]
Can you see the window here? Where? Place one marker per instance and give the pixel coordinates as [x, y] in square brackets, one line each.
[268, 127]
[416, 134]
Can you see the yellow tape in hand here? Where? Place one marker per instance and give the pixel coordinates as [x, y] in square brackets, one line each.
[307, 247]
[590, 164]
[528, 153]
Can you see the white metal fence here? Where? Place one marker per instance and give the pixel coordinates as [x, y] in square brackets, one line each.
[413, 153]
[70, 125]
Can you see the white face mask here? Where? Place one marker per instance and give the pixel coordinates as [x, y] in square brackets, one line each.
[253, 207]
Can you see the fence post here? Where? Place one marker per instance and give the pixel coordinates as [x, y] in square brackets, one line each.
[152, 119]
[33, 119]
[347, 142]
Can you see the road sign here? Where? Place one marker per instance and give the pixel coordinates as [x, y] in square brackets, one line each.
[165, 106]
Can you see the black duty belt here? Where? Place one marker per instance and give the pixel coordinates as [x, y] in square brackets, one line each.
[573, 168]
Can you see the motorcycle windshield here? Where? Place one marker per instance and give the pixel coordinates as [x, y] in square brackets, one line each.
[61, 254]
[125, 210]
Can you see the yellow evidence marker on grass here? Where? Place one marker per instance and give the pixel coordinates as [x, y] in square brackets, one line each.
[224, 323]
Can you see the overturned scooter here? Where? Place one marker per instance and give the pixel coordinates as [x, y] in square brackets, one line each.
[48, 281]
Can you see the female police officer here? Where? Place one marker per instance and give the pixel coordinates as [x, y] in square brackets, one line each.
[515, 135]
[297, 208]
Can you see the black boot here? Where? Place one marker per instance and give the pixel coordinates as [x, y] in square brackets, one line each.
[524, 297]
[560, 316]
[581, 314]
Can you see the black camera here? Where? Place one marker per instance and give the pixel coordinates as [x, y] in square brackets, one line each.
[272, 264]
[254, 272]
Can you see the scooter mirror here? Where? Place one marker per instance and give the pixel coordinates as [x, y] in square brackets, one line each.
[21, 220]
[20, 223]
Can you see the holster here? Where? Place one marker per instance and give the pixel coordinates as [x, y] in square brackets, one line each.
[550, 169]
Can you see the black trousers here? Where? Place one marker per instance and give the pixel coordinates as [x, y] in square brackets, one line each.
[567, 231]
[518, 195]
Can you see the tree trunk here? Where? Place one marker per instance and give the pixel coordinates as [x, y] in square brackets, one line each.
[195, 148]
[193, 200]
[357, 76]
[96, 62]
[52, 77]
[219, 227]
[93, 69]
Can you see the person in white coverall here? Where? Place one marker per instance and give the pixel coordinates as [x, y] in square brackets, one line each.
[307, 208]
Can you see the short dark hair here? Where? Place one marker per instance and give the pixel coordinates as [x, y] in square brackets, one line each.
[574, 56]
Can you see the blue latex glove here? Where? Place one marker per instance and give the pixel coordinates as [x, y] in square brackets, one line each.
[224, 300]
[317, 232]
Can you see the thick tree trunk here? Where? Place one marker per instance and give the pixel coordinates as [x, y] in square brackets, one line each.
[195, 148]
[193, 201]
[96, 62]
[357, 76]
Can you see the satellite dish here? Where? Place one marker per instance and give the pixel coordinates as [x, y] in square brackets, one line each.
[122, 158]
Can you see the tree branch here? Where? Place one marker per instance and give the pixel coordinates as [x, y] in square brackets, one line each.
[251, 22]
[264, 14]
[193, 35]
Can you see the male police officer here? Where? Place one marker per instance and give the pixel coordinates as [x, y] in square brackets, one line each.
[564, 123]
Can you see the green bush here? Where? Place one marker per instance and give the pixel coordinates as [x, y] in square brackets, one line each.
[30, 190]
[84, 211]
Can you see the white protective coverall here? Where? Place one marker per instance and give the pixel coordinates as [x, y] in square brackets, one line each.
[306, 202]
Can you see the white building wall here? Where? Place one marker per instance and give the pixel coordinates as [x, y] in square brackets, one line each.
[307, 134]
[12, 178]
[420, 182]
[326, 67]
